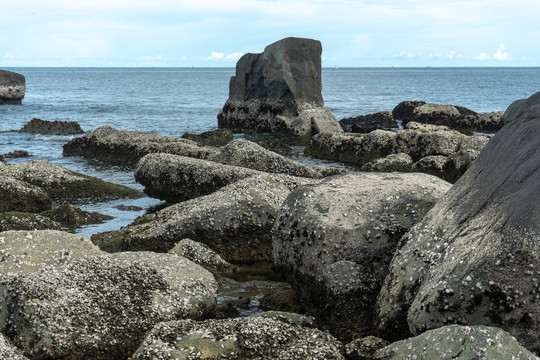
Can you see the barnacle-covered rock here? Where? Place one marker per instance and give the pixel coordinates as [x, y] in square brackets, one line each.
[457, 342]
[8, 352]
[72, 217]
[333, 240]
[249, 338]
[18, 195]
[202, 255]
[62, 184]
[124, 147]
[14, 220]
[234, 221]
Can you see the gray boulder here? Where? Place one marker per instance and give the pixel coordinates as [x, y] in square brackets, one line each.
[279, 91]
[202, 255]
[177, 178]
[245, 153]
[333, 241]
[248, 338]
[66, 185]
[457, 342]
[399, 162]
[123, 147]
[18, 195]
[455, 117]
[234, 221]
[12, 88]
[474, 258]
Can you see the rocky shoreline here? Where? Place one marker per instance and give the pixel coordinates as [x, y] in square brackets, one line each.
[428, 249]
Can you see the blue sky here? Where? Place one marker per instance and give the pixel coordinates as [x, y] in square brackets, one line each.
[218, 32]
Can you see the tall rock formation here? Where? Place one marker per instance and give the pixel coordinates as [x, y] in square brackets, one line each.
[279, 91]
[12, 88]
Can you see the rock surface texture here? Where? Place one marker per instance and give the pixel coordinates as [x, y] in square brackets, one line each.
[455, 117]
[334, 240]
[124, 147]
[18, 195]
[457, 342]
[38, 126]
[249, 338]
[474, 258]
[279, 91]
[366, 123]
[12, 88]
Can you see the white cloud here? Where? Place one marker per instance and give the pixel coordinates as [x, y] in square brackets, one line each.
[500, 54]
[152, 58]
[9, 57]
[452, 55]
[221, 56]
[482, 57]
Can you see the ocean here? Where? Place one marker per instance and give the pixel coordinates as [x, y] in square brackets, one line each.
[172, 101]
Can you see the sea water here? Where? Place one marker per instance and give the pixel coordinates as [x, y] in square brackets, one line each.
[172, 101]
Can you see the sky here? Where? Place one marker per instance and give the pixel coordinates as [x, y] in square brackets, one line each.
[216, 33]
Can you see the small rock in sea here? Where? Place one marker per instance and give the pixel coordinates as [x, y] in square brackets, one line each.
[122, 207]
[12, 88]
[17, 154]
[73, 217]
[38, 126]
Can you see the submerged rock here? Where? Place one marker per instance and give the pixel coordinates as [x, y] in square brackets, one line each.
[12, 88]
[279, 91]
[333, 241]
[38, 126]
[123, 147]
[65, 185]
[249, 338]
[474, 258]
[457, 342]
[18, 195]
[234, 221]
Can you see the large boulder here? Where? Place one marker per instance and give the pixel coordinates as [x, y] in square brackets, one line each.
[65, 185]
[234, 221]
[245, 153]
[249, 338]
[279, 91]
[38, 126]
[362, 149]
[333, 241]
[18, 195]
[474, 258]
[457, 342]
[12, 87]
[455, 117]
[176, 178]
[124, 147]
[64, 298]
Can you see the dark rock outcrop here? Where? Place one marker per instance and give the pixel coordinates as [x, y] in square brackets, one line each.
[474, 258]
[73, 217]
[271, 336]
[455, 117]
[457, 342]
[124, 147]
[367, 123]
[217, 137]
[38, 126]
[26, 221]
[12, 88]
[279, 91]
[334, 240]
